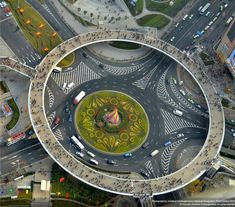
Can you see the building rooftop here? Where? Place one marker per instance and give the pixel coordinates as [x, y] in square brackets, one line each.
[231, 32]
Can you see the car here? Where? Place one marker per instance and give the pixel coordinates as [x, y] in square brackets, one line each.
[145, 145]
[232, 120]
[185, 16]
[57, 120]
[202, 32]
[225, 6]
[195, 36]
[191, 101]
[111, 162]
[210, 23]
[183, 92]
[180, 135]
[191, 16]
[218, 14]
[4, 4]
[208, 13]
[66, 109]
[172, 39]
[70, 119]
[198, 106]
[215, 19]
[90, 154]
[177, 24]
[199, 9]
[207, 27]
[181, 83]
[233, 134]
[232, 130]
[167, 143]
[80, 154]
[1, 5]
[142, 172]
[101, 65]
[221, 8]
[126, 155]
[84, 55]
[30, 132]
[174, 81]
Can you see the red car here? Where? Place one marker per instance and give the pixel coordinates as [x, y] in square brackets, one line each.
[57, 120]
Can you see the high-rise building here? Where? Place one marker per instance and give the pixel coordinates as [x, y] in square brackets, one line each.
[226, 48]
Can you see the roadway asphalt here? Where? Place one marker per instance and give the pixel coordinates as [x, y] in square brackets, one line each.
[187, 28]
[157, 65]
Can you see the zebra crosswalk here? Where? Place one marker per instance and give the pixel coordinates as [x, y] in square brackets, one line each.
[173, 122]
[51, 117]
[51, 97]
[162, 92]
[118, 70]
[58, 134]
[167, 154]
[184, 101]
[142, 83]
[77, 76]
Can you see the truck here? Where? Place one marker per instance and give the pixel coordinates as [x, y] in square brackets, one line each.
[79, 97]
[205, 8]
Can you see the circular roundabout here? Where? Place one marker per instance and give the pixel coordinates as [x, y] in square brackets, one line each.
[110, 121]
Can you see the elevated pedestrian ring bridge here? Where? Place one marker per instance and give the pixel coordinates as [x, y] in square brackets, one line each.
[115, 182]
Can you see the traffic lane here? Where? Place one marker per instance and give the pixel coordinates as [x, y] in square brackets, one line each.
[22, 158]
[16, 41]
[58, 26]
[6, 150]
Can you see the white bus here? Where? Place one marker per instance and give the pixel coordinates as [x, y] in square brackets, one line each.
[177, 112]
[205, 8]
[57, 69]
[79, 97]
[77, 143]
[154, 153]
[94, 161]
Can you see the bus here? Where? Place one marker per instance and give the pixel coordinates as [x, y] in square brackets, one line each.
[79, 97]
[77, 143]
[154, 153]
[95, 162]
[57, 69]
[15, 138]
[205, 8]
[177, 112]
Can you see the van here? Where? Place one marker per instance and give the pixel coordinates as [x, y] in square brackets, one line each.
[90, 154]
[177, 112]
[155, 152]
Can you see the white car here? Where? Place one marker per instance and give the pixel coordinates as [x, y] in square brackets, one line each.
[172, 39]
[232, 130]
[233, 134]
[8, 14]
[195, 36]
[226, 5]
[182, 91]
[218, 14]
[191, 16]
[210, 23]
[180, 135]
[184, 18]
[207, 27]
[202, 32]
[215, 19]
[208, 13]
[79, 154]
[4, 4]
[177, 24]
[190, 100]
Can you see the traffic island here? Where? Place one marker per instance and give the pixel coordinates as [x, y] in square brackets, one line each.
[111, 122]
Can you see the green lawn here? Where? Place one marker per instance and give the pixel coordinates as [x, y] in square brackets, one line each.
[206, 59]
[76, 189]
[165, 7]
[15, 116]
[36, 29]
[137, 9]
[153, 20]
[125, 45]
